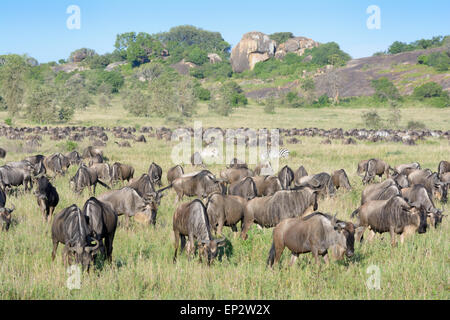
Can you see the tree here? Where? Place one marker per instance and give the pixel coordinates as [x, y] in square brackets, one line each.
[12, 79]
[81, 54]
[308, 86]
[385, 89]
[41, 104]
[185, 100]
[429, 90]
[321, 55]
[197, 56]
[74, 93]
[149, 71]
[138, 49]
[281, 37]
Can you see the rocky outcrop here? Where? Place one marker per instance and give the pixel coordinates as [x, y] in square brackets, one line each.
[112, 66]
[183, 67]
[69, 67]
[253, 48]
[296, 45]
[256, 47]
[214, 58]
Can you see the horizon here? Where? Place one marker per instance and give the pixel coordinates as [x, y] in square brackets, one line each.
[40, 29]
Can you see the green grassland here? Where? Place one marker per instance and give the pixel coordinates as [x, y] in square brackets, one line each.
[142, 265]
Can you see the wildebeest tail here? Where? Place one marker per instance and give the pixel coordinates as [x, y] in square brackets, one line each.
[104, 184]
[271, 258]
[355, 213]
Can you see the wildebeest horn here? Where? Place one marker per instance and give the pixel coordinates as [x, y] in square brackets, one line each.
[12, 209]
[90, 249]
[220, 240]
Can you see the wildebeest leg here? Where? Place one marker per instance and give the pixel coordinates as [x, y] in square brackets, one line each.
[393, 240]
[370, 236]
[294, 257]
[326, 258]
[315, 253]
[183, 243]
[177, 240]
[127, 221]
[408, 230]
[50, 216]
[95, 185]
[109, 248]
[220, 227]
[191, 247]
[55, 247]
[235, 230]
[359, 233]
[246, 226]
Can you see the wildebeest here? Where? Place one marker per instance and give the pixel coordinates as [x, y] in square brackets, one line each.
[15, 174]
[95, 159]
[225, 210]
[340, 179]
[418, 194]
[191, 220]
[264, 169]
[269, 211]
[71, 228]
[237, 164]
[321, 181]
[200, 184]
[155, 174]
[375, 167]
[246, 188]
[286, 176]
[232, 175]
[2, 153]
[91, 152]
[435, 188]
[128, 202]
[121, 172]
[407, 168]
[395, 216]
[362, 167]
[103, 170]
[400, 179]
[316, 233]
[267, 185]
[443, 167]
[47, 197]
[143, 185]
[5, 214]
[85, 177]
[174, 173]
[56, 163]
[299, 173]
[74, 157]
[103, 224]
[380, 191]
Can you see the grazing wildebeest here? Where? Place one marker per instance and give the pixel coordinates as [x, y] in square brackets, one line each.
[407, 168]
[316, 233]
[155, 174]
[267, 185]
[395, 216]
[14, 175]
[2, 153]
[196, 159]
[321, 181]
[246, 188]
[400, 179]
[95, 159]
[5, 214]
[375, 167]
[47, 197]
[91, 152]
[74, 157]
[443, 167]
[434, 186]
[286, 176]
[340, 179]
[269, 211]
[264, 169]
[56, 163]
[225, 210]
[191, 220]
[143, 185]
[233, 175]
[121, 172]
[380, 191]
[237, 164]
[362, 166]
[199, 184]
[71, 228]
[128, 202]
[418, 194]
[85, 177]
[174, 173]
[299, 173]
[103, 171]
[103, 224]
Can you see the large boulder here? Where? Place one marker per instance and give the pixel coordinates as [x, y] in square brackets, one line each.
[296, 45]
[214, 58]
[254, 47]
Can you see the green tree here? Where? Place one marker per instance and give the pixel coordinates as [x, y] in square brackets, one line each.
[13, 82]
[41, 104]
[281, 37]
[429, 90]
[385, 89]
[197, 56]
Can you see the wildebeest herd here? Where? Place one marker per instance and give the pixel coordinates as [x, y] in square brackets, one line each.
[402, 204]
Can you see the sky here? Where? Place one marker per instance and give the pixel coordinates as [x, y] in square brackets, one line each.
[39, 28]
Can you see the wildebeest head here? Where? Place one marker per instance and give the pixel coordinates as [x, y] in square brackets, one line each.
[345, 238]
[419, 212]
[440, 191]
[83, 255]
[5, 217]
[152, 201]
[210, 248]
[401, 180]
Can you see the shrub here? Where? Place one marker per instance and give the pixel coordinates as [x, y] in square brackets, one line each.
[415, 125]
[371, 119]
[202, 93]
[385, 89]
[281, 37]
[438, 60]
[429, 90]
[220, 107]
[197, 56]
[9, 122]
[269, 106]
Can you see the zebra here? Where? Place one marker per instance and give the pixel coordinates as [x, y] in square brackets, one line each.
[274, 154]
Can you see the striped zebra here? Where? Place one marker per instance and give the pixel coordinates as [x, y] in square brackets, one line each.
[274, 154]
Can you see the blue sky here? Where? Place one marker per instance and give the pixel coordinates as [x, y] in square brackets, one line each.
[38, 28]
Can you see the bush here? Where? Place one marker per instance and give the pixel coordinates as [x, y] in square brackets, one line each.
[429, 90]
[385, 89]
[372, 119]
[197, 56]
[220, 107]
[281, 37]
[322, 101]
[438, 60]
[269, 106]
[202, 93]
[8, 121]
[415, 125]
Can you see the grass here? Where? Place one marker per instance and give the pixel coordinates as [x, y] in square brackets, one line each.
[142, 265]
